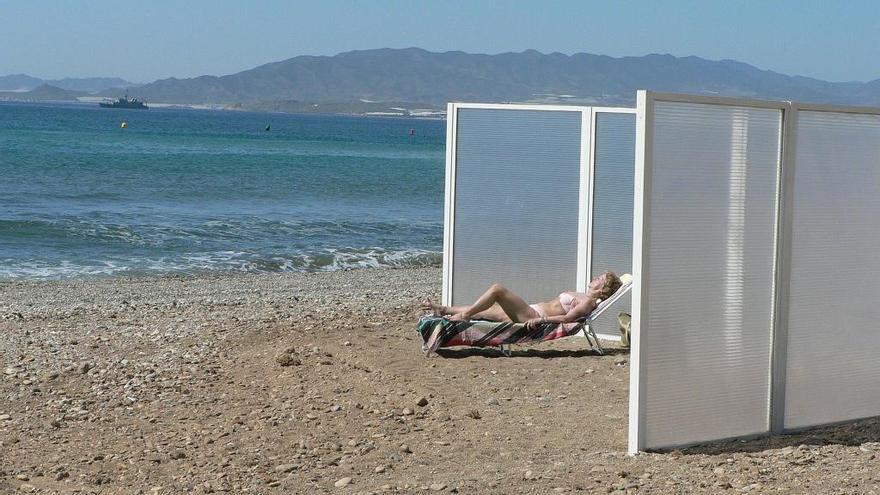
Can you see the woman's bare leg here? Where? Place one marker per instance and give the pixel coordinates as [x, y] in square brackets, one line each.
[513, 306]
[495, 313]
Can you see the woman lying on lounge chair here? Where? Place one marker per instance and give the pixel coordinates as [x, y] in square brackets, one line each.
[501, 304]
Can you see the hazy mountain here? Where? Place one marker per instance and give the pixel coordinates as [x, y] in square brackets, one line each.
[416, 75]
[23, 82]
[19, 82]
[43, 92]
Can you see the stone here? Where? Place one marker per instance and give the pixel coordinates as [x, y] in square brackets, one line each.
[48, 376]
[286, 468]
[379, 469]
[5, 417]
[438, 487]
[528, 475]
[27, 488]
[286, 359]
[422, 402]
[407, 411]
[405, 449]
[342, 482]
[178, 454]
[492, 401]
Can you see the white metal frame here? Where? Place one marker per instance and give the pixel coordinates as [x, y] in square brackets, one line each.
[584, 274]
[641, 225]
[449, 202]
[451, 166]
[585, 198]
[782, 248]
[644, 141]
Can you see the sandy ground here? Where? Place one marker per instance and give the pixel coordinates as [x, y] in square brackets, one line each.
[315, 383]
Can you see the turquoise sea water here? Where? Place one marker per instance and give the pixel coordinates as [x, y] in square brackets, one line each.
[190, 191]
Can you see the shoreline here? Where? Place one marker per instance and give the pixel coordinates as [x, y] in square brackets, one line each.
[32, 297]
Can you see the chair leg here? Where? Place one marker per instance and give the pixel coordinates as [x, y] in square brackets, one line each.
[593, 340]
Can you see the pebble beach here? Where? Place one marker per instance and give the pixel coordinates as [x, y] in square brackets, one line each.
[315, 383]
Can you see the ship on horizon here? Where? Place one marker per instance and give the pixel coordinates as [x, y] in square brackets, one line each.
[124, 102]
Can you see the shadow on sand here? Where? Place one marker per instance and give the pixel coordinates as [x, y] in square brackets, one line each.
[494, 352]
[851, 434]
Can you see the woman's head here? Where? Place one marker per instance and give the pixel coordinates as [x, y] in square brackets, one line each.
[605, 285]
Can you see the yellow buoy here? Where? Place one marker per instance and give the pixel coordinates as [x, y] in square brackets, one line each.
[124, 124]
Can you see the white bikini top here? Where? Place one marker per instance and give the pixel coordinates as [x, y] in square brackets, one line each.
[568, 301]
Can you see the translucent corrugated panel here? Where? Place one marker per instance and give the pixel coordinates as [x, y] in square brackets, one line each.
[613, 170]
[516, 202]
[833, 368]
[708, 278]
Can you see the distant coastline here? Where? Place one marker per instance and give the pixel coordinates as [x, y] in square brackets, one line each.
[307, 109]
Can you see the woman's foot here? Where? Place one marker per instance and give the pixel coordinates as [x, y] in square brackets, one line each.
[459, 317]
[435, 309]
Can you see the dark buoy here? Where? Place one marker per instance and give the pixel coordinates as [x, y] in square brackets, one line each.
[412, 132]
[268, 128]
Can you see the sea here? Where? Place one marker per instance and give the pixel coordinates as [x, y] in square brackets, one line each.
[182, 191]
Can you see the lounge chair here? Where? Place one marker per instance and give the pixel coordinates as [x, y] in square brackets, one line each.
[437, 332]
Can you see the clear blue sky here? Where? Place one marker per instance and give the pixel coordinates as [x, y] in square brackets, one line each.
[152, 39]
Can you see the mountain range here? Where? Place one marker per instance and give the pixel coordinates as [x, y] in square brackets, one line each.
[23, 83]
[414, 77]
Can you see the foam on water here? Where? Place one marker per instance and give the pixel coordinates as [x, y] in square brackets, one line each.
[221, 262]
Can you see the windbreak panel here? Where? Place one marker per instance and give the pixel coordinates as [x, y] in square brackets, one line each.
[833, 368]
[517, 182]
[613, 170]
[708, 252]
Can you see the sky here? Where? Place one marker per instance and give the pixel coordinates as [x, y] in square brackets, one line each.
[155, 39]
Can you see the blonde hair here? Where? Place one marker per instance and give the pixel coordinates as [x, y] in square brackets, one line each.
[612, 283]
